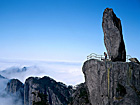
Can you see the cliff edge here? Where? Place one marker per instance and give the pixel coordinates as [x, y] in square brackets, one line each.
[112, 83]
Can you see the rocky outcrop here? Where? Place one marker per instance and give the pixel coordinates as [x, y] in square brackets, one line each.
[39, 91]
[112, 83]
[14, 85]
[54, 93]
[46, 91]
[80, 95]
[15, 88]
[113, 37]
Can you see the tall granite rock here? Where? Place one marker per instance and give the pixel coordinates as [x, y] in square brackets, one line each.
[112, 83]
[113, 37]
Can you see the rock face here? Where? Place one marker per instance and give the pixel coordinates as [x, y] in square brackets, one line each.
[80, 95]
[112, 83]
[113, 37]
[16, 89]
[45, 91]
[40, 91]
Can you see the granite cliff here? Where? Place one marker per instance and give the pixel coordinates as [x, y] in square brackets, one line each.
[80, 95]
[112, 83]
[46, 91]
[55, 93]
[15, 89]
[40, 91]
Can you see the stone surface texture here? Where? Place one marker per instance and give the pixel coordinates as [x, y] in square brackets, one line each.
[46, 91]
[15, 88]
[40, 91]
[112, 83]
[80, 95]
[56, 93]
[113, 37]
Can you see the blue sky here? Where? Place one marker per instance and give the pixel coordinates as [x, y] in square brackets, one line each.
[63, 30]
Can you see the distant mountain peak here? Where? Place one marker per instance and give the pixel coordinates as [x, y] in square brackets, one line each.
[2, 77]
[24, 69]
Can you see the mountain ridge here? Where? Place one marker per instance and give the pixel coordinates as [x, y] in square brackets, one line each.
[45, 91]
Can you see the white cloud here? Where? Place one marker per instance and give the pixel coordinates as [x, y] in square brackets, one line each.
[69, 73]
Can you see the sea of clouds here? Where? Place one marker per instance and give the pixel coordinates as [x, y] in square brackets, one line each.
[70, 73]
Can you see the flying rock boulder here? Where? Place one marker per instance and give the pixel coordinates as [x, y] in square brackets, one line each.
[113, 37]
